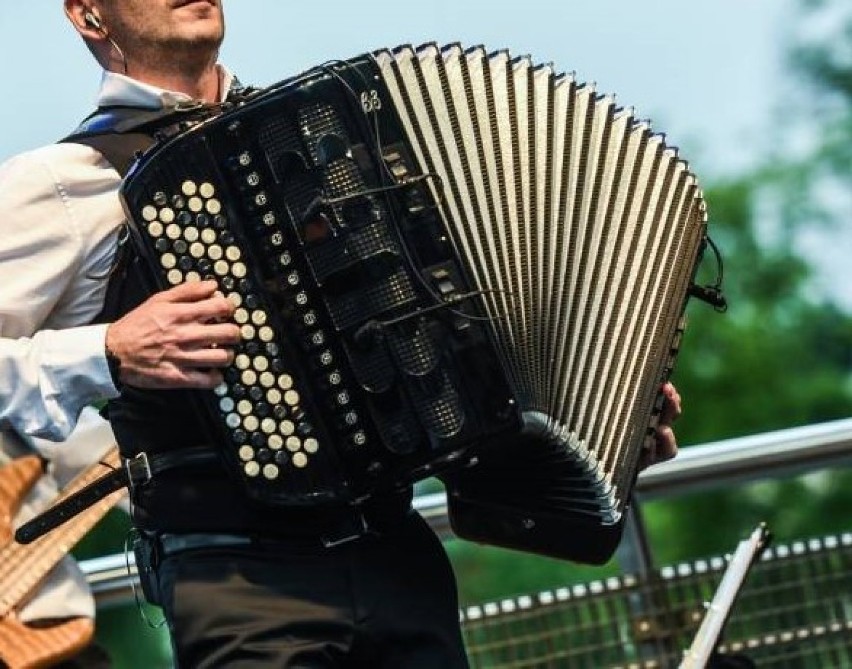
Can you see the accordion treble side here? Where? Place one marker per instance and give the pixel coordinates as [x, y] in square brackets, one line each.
[444, 262]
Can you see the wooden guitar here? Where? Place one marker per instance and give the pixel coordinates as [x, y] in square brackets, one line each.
[22, 568]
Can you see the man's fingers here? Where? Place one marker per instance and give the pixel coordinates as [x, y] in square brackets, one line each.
[666, 444]
[213, 308]
[191, 291]
[672, 408]
[205, 357]
[663, 446]
[223, 334]
[173, 376]
[206, 335]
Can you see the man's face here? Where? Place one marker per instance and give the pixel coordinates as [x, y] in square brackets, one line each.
[165, 32]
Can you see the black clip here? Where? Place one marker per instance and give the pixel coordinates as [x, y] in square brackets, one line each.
[354, 527]
[138, 469]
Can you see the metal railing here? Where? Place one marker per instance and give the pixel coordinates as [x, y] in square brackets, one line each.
[768, 455]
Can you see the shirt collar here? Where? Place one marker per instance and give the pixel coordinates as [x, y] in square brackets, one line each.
[120, 90]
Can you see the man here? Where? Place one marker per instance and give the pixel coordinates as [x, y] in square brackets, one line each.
[240, 584]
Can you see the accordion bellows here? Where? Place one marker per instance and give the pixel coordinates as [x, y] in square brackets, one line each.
[581, 227]
[499, 258]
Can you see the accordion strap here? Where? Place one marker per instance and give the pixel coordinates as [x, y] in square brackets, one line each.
[120, 133]
[135, 471]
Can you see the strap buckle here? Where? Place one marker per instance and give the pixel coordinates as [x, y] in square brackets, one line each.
[354, 527]
[138, 469]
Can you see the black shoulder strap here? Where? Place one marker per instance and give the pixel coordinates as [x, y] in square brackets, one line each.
[121, 133]
[120, 151]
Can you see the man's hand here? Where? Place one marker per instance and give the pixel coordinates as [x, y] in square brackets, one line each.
[175, 339]
[665, 444]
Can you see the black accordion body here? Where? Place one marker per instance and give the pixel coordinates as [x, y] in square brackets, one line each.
[444, 262]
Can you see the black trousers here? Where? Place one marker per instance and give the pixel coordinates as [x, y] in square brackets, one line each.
[385, 601]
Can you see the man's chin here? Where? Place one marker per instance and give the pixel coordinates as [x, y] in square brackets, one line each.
[199, 38]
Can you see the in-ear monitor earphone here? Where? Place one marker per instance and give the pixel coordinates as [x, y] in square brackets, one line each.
[91, 20]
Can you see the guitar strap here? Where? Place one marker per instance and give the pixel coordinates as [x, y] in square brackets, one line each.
[135, 471]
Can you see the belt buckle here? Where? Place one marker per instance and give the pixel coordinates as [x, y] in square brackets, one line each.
[138, 469]
[354, 528]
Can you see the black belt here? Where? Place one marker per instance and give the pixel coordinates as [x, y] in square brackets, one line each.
[135, 471]
[346, 526]
[320, 528]
[170, 544]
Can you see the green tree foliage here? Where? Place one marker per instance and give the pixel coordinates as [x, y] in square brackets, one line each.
[776, 359]
[782, 355]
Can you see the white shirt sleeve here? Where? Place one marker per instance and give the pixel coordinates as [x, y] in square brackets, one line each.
[58, 211]
[46, 380]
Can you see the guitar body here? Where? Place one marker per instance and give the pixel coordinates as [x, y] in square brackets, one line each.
[16, 479]
[23, 647]
[22, 568]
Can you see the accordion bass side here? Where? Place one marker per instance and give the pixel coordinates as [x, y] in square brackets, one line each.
[444, 262]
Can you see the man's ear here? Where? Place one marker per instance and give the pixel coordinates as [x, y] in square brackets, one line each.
[85, 18]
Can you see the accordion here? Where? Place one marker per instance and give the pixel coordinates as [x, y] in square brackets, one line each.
[445, 262]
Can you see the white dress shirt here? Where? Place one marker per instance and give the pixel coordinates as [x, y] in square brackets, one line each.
[59, 219]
